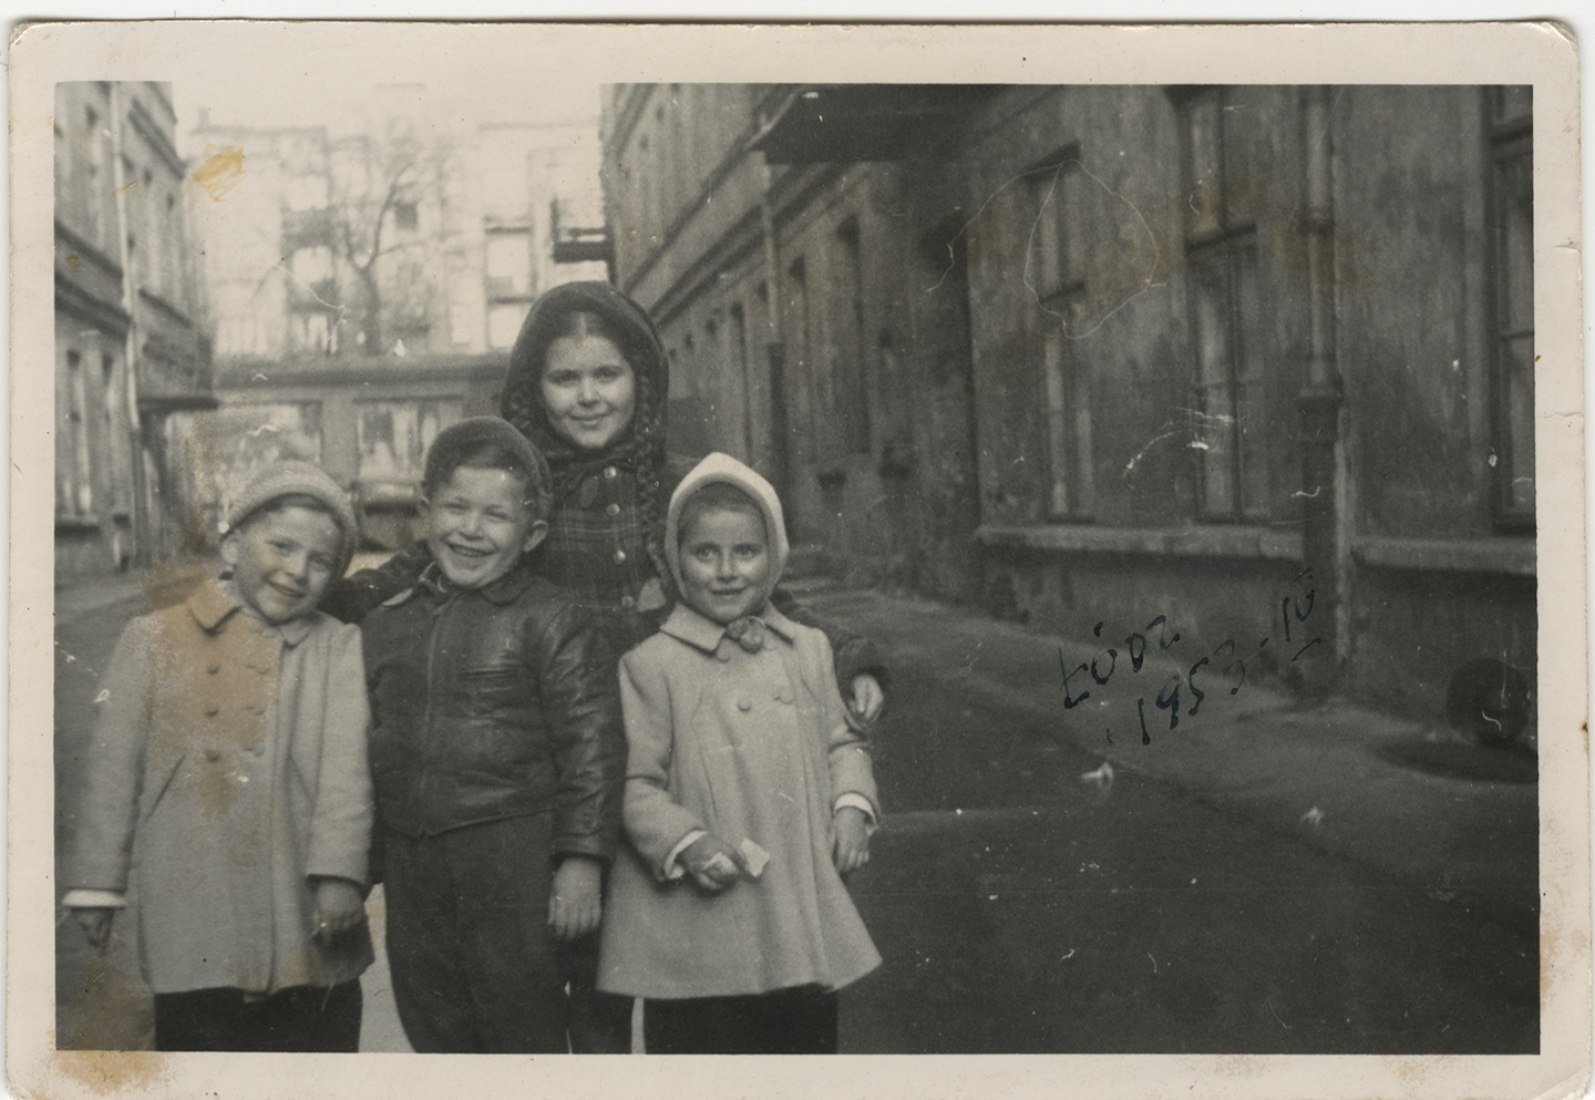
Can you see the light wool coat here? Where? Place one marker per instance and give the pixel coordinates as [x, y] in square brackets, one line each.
[746, 745]
[227, 767]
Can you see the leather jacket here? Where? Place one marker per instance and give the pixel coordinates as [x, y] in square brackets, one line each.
[494, 703]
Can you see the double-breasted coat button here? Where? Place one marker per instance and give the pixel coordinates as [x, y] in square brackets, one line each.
[612, 509]
[744, 704]
[611, 473]
[213, 710]
[628, 602]
[213, 668]
[620, 557]
[784, 695]
[213, 755]
[258, 750]
[724, 656]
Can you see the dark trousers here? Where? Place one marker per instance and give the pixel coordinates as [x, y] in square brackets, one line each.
[787, 1021]
[303, 1019]
[476, 968]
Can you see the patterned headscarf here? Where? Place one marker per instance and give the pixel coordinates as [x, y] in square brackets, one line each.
[640, 448]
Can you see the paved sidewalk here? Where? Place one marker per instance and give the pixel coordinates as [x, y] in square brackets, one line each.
[1332, 774]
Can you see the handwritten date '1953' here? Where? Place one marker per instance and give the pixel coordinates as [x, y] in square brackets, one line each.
[1225, 662]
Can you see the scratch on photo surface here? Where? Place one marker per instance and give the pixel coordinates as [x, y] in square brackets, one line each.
[1147, 281]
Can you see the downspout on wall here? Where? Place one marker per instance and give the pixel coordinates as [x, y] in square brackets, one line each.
[1324, 489]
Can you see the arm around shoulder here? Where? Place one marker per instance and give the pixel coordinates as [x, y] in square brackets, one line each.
[853, 655]
[351, 598]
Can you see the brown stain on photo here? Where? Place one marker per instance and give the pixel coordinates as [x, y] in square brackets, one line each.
[221, 172]
[73, 262]
[108, 1072]
[1241, 1065]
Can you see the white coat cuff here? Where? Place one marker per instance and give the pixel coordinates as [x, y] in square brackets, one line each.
[94, 899]
[858, 802]
[670, 870]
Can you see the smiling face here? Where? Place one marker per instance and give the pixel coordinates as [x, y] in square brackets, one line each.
[479, 525]
[589, 390]
[725, 561]
[282, 560]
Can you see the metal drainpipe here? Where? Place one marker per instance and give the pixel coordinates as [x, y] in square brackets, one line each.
[140, 526]
[1322, 405]
[775, 348]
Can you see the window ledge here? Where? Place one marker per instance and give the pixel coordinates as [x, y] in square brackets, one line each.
[1512, 555]
[1213, 542]
[65, 524]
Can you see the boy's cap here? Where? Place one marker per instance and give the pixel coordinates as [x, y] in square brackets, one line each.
[294, 478]
[468, 434]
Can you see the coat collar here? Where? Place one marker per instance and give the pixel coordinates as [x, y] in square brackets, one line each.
[505, 590]
[216, 601]
[703, 633]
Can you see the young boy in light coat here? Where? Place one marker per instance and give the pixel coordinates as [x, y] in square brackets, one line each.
[227, 783]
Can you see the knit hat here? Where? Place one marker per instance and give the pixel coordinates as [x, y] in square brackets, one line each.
[460, 438]
[295, 478]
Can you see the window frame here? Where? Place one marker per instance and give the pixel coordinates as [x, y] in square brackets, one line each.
[1060, 289]
[1226, 248]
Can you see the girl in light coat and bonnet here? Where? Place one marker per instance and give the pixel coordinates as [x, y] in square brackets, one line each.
[748, 798]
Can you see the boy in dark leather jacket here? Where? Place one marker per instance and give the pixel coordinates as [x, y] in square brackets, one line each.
[498, 753]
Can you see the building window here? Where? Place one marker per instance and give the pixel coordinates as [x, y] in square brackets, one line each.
[172, 261]
[1055, 271]
[312, 330]
[1511, 140]
[1222, 297]
[114, 441]
[509, 265]
[504, 325]
[74, 489]
[143, 197]
[93, 195]
[848, 406]
[393, 437]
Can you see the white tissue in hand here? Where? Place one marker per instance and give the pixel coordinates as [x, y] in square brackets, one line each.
[756, 857]
[720, 862]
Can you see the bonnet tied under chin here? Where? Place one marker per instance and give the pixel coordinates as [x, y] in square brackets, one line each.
[747, 632]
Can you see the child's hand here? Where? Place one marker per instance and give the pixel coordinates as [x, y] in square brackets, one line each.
[576, 904]
[339, 907]
[713, 863]
[867, 700]
[851, 849]
[96, 925]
